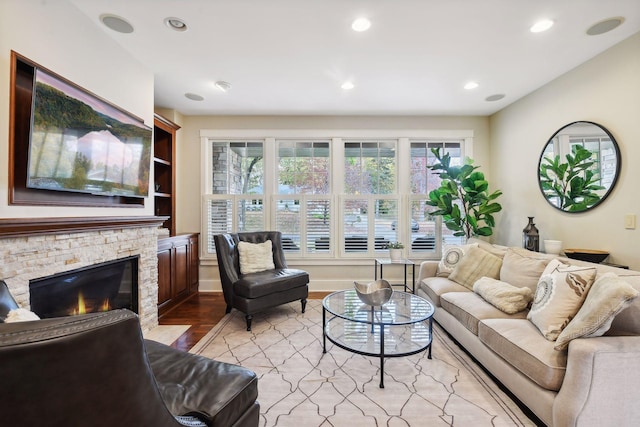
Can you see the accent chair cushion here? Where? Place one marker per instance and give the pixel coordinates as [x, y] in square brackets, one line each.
[255, 257]
[560, 293]
[451, 257]
[476, 263]
[502, 295]
[608, 296]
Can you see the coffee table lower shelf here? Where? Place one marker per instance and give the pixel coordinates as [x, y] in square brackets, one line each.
[377, 340]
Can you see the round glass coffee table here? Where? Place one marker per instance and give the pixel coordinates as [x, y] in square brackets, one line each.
[401, 327]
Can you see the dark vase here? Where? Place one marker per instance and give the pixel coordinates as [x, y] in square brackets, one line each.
[531, 236]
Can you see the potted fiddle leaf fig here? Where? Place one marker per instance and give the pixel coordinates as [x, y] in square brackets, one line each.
[570, 186]
[463, 199]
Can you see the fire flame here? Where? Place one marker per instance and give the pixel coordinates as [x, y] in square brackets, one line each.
[81, 308]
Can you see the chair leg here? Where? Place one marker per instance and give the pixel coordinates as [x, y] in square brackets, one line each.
[228, 309]
[249, 319]
[304, 304]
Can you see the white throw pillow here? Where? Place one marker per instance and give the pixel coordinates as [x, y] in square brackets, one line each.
[20, 315]
[502, 295]
[451, 257]
[255, 257]
[608, 296]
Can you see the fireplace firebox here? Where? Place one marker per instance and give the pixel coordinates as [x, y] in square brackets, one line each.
[99, 287]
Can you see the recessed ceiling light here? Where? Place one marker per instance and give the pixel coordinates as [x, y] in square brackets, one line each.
[496, 97]
[347, 85]
[194, 96]
[471, 85]
[222, 85]
[361, 24]
[116, 23]
[605, 26]
[542, 25]
[176, 24]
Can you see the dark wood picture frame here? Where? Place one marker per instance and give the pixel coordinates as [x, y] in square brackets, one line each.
[21, 94]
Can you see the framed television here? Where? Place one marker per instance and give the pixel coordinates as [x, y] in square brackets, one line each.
[71, 147]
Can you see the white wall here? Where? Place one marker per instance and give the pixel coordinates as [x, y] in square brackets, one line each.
[605, 90]
[56, 35]
[338, 276]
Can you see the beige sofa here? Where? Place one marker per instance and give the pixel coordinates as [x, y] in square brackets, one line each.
[595, 382]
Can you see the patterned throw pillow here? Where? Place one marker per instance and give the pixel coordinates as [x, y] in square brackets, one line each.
[608, 296]
[560, 293]
[255, 257]
[476, 263]
[451, 257]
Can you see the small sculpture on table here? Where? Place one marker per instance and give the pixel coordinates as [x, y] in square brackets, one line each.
[375, 294]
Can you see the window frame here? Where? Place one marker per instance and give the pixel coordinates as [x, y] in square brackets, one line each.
[337, 138]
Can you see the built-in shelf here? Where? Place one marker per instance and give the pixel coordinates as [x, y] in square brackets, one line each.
[164, 152]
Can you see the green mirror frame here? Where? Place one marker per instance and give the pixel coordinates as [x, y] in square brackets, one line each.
[587, 178]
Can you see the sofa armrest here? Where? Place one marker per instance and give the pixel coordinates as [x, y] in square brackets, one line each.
[602, 373]
[427, 269]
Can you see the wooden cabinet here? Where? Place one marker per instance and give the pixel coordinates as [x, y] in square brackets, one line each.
[178, 263]
[164, 169]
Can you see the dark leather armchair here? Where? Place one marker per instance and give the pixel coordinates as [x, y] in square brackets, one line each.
[255, 292]
[97, 370]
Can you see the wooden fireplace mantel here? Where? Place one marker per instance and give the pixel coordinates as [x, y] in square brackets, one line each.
[24, 227]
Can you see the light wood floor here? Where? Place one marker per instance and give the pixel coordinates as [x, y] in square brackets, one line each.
[202, 311]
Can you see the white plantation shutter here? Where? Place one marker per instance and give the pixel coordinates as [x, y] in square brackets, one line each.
[318, 225]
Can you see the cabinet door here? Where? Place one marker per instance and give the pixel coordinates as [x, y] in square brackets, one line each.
[181, 270]
[164, 276]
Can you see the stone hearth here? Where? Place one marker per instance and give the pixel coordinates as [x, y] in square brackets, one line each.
[31, 249]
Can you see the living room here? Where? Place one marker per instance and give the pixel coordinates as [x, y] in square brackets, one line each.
[507, 142]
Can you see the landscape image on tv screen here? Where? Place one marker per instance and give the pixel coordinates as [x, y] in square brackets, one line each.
[83, 144]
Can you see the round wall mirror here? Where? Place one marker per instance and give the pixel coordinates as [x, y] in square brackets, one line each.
[579, 166]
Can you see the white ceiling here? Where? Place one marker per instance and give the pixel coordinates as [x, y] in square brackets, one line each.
[291, 56]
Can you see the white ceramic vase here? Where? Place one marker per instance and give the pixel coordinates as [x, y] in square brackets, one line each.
[395, 254]
[553, 247]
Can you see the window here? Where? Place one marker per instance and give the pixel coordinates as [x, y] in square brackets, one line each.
[303, 205]
[235, 197]
[426, 230]
[331, 197]
[367, 218]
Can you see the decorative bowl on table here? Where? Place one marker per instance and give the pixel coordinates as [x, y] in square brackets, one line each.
[374, 293]
[589, 255]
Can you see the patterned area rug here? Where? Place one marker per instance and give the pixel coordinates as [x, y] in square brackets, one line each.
[300, 386]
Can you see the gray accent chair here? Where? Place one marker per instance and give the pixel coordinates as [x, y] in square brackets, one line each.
[255, 292]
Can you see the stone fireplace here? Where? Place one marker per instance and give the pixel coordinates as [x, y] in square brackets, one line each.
[34, 248]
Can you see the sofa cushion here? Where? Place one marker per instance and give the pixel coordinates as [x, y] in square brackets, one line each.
[436, 286]
[476, 263]
[627, 322]
[608, 296]
[451, 257]
[518, 342]
[521, 267]
[469, 308]
[559, 295]
[502, 295]
[256, 285]
[497, 250]
[255, 257]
